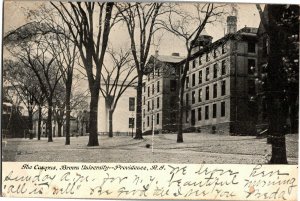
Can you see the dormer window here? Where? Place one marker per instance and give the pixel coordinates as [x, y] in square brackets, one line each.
[224, 50]
[215, 53]
[207, 57]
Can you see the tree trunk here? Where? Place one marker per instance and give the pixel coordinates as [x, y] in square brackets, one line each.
[59, 126]
[30, 116]
[139, 94]
[277, 112]
[277, 131]
[40, 123]
[182, 78]
[180, 112]
[93, 136]
[49, 120]
[110, 123]
[68, 112]
[81, 128]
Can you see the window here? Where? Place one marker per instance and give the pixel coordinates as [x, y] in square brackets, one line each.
[199, 114]
[131, 103]
[265, 50]
[215, 70]
[200, 60]
[207, 74]
[148, 121]
[148, 105]
[188, 68]
[193, 97]
[215, 53]
[206, 112]
[207, 93]
[187, 99]
[157, 86]
[224, 49]
[251, 47]
[148, 91]
[144, 86]
[157, 102]
[157, 118]
[187, 116]
[193, 80]
[251, 87]
[222, 109]
[200, 77]
[200, 95]
[187, 82]
[148, 77]
[193, 117]
[157, 71]
[194, 63]
[152, 104]
[173, 85]
[152, 89]
[152, 74]
[144, 113]
[207, 57]
[131, 122]
[144, 100]
[214, 110]
[223, 88]
[215, 90]
[223, 69]
[251, 66]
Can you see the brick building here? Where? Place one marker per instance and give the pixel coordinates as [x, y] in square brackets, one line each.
[219, 87]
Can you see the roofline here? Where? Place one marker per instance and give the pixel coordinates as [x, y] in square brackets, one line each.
[217, 43]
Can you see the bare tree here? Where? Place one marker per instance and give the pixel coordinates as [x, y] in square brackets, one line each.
[116, 81]
[59, 105]
[188, 25]
[35, 54]
[89, 24]
[26, 85]
[141, 20]
[66, 61]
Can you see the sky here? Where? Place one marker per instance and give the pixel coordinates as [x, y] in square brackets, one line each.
[15, 16]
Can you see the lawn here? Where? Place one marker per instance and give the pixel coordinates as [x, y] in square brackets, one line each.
[197, 148]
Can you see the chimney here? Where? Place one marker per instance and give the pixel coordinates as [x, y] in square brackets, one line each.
[175, 54]
[231, 24]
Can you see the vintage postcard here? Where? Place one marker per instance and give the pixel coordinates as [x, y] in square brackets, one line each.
[156, 100]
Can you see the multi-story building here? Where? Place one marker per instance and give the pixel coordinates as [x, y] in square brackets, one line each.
[160, 93]
[221, 82]
[219, 88]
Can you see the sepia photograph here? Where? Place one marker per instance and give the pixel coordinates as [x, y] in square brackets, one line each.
[150, 100]
[155, 82]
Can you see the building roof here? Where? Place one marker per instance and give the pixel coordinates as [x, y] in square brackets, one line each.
[243, 33]
[204, 33]
[169, 58]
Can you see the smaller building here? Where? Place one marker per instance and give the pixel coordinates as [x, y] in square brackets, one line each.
[160, 91]
[124, 116]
